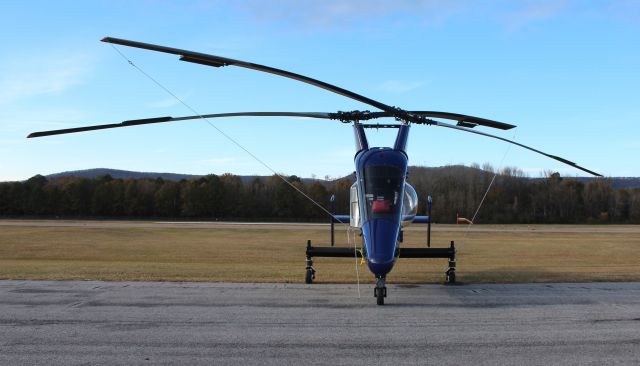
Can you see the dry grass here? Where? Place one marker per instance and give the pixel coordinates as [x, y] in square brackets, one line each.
[254, 254]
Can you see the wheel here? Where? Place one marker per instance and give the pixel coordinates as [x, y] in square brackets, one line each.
[380, 293]
[379, 296]
[451, 277]
[308, 278]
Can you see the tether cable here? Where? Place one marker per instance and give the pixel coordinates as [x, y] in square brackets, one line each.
[495, 175]
[231, 139]
[350, 230]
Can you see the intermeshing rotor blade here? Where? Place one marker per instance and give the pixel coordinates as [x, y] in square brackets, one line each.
[323, 115]
[365, 115]
[464, 120]
[145, 121]
[217, 61]
[565, 161]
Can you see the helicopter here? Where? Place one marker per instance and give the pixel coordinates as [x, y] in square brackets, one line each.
[382, 201]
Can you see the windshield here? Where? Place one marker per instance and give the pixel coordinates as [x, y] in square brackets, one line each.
[382, 192]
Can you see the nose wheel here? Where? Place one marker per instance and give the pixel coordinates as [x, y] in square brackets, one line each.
[380, 291]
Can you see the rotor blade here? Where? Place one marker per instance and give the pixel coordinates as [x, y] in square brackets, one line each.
[258, 114]
[136, 122]
[323, 115]
[217, 61]
[461, 118]
[565, 161]
[99, 127]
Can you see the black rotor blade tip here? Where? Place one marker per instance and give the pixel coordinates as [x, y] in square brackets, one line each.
[569, 162]
[144, 121]
[466, 124]
[203, 62]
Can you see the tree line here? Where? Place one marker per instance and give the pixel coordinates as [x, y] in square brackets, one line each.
[456, 190]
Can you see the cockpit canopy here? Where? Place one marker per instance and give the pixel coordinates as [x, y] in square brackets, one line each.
[382, 192]
[409, 206]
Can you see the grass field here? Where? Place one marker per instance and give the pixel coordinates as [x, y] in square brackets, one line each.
[253, 253]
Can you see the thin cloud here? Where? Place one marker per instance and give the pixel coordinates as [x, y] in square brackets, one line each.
[625, 10]
[399, 86]
[339, 14]
[169, 101]
[519, 14]
[23, 80]
[5, 142]
[535, 11]
[387, 15]
[219, 161]
[22, 122]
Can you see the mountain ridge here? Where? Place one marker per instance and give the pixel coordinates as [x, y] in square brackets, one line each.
[616, 182]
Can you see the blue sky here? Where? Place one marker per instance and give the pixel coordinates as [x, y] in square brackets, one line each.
[566, 72]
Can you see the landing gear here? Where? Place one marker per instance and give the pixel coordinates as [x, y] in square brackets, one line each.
[451, 271]
[451, 276]
[309, 276]
[380, 291]
[310, 272]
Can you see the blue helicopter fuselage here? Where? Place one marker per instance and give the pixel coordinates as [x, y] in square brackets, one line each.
[381, 174]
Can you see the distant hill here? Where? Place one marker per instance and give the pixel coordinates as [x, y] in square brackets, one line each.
[127, 174]
[122, 174]
[414, 173]
[616, 182]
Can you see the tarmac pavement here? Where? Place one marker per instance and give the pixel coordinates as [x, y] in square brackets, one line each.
[91, 322]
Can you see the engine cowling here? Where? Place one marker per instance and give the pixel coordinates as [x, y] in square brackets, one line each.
[409, 205]
[354, 209]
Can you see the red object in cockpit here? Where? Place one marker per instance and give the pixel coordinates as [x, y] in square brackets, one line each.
[383, 206]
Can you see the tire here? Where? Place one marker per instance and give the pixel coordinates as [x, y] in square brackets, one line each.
[380, 295]
[451, 278]
[308, 278]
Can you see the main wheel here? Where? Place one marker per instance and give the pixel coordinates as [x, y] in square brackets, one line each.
[308, 278]
[451, 277]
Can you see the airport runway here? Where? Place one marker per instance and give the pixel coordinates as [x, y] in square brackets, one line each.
[75, 322]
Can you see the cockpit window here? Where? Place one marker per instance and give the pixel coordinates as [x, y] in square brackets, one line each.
[382, 191]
